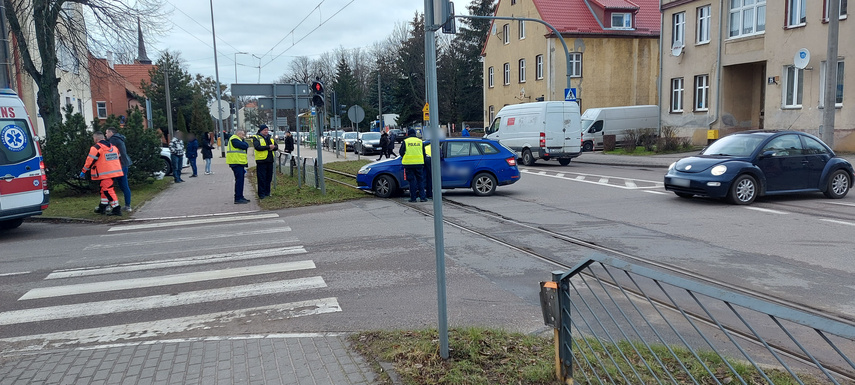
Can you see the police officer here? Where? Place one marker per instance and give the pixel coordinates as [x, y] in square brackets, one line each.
[264, 146]
[103, 164]
[413, 159]
[236, 159]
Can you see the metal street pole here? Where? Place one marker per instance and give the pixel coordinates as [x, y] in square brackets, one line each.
[168, 101]
[236, 64]
[217, 78]
[433, 128]
[297, 141]
[826, 130]
[379, 100]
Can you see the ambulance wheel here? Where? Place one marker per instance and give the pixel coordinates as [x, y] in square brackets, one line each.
[11, 224]
[167, 167]
[527, 158]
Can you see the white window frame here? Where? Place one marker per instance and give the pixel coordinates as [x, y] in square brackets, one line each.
[539, 67]
[522, 30]
[99, 106]
[491, 111]
[844, 5]
[702, 93]
[507, 74]
[626, 20]
[793, 83]
[796, 13]
[678, 28]
[490, 79]
[823, 66]
[506, 34]
[575, 64]
[739, 11]
[703, 28]
[677, 90]
[521, 64]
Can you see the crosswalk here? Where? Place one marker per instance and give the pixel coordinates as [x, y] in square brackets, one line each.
[280, 276]
[603, 180]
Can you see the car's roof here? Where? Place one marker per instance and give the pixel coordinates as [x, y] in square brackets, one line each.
[768, 132]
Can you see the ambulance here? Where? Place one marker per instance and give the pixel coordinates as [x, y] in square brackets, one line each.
[23, 182]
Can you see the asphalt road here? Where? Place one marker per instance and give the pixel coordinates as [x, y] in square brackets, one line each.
[369, 264]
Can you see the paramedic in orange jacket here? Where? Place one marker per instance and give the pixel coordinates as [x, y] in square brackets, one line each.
[103, 164]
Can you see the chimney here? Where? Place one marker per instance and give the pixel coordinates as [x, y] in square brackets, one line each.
[110, 59]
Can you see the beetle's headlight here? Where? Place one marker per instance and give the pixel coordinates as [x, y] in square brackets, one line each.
[671, 167]
[364, 170]
[718, 170]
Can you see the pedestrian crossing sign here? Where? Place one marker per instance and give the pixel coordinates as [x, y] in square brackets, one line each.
[569, 94]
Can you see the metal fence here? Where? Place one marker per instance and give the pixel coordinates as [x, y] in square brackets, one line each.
[623, 323]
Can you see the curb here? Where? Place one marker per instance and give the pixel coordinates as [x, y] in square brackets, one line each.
[44, 219]
[610, 163]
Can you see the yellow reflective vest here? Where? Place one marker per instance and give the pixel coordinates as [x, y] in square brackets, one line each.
[415, 152]
[262, 155]
[235, 155]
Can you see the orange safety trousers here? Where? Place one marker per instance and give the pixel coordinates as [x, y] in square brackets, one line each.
[108, 194]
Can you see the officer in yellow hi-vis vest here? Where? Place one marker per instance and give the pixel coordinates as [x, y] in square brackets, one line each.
[264, 156]
[413, 159]
[236, 158]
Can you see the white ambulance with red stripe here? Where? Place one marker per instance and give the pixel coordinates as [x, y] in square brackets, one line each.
[23, 182]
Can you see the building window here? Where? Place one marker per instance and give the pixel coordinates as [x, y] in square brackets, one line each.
[678, 29]
[622, 20]
[522, 30]
[80, 105]
[702, 92]
[793, 86]
[506, 34]
[102, 109]
[843, 8]
[838, 100]
[677, 95]
[703, 24]
[747, 17]
[575, 64]
[68, 102]
[513, 2]
[492, 113]
[507, 74]
[539, 71]
[796, 10]
[522, 70]
[490, 77]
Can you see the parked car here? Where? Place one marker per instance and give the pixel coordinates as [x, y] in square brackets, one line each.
[332, 140]
[745, 165]
[400, 134]
[166, 156]
[348, 138]
[367, 143]
[539, 130]
[598, 122]
[479, 164]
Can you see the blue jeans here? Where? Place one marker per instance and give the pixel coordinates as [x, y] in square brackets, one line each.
[208, 165]
[122, 181]
[192, 162]
[415, 177]
[239, 171]
[176, 166]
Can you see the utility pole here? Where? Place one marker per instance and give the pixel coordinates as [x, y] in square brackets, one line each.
[168, 100]
[826, 130]
[379, 100]
[217, 77]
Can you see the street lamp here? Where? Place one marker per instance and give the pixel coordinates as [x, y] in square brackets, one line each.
[236, 63]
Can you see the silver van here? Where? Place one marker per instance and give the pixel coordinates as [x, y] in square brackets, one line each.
[541, 130]
[598, 122]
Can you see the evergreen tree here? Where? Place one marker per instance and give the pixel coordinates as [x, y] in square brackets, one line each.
[65, 150]
[409, 88]
[181, 123]
[346, 89]
[181, 89]
[200, 121]
[143, 147]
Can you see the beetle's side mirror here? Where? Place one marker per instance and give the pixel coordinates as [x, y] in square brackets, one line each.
[767, 154]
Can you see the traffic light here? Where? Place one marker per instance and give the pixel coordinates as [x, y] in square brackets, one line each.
[343, 109]
[318, 94]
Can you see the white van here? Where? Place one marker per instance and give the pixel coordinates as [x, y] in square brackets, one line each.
[597, 122]
[540, 130]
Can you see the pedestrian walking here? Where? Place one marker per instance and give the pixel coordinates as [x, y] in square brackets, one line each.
[104, 164]
[264, 146]
[289, 146]
[465, 132]
[208, 151]
[392, 139]
[118, 140]
[384, 146]
[236, 159]
[192, 152]
[176, 151]
[413, 159]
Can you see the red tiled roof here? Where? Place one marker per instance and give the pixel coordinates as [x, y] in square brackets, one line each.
[616, 4]
[134, 73]
[576, 17]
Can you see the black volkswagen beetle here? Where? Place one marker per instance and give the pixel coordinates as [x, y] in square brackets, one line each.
[745, 165]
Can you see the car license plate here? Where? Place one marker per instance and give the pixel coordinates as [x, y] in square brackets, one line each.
[680, 182]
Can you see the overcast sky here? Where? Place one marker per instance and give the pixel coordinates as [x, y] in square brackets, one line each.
[274, 30]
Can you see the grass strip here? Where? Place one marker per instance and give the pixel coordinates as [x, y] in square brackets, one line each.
[67, 203]
[286, 194]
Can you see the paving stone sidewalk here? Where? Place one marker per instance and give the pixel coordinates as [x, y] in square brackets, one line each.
[299, 359]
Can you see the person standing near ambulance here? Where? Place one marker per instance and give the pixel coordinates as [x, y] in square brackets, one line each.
[104, 164]
[118, 140]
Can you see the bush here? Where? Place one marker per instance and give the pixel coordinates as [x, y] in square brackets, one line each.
[143, 146]
[647, 138]
[65, 148]
[668, 140]
[630, 140]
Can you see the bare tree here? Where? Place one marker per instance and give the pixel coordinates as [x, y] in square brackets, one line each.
[44, 30]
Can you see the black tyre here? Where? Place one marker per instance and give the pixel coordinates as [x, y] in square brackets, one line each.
[685, 195]
[384, 186]
[527, 158]
[839, 183]
[167, 167]
[588, 146]
[743, 190]
[564, 161]
[484, 184]
[11, 224]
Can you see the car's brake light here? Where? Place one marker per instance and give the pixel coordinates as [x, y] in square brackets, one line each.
[512, 161]
[542, 139]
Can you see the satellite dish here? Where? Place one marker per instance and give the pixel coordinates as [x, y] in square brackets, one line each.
[802, 58]
[677, 48]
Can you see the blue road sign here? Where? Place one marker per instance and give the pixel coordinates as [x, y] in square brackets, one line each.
[569, 94]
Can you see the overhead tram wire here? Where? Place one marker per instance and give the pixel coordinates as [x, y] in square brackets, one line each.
[201, 25]
[291, 32]
[310, 32]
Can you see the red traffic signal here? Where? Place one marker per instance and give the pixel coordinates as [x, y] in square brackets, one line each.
[317, 87]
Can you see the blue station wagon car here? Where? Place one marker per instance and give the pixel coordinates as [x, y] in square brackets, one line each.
[479, 164]
[745, 165]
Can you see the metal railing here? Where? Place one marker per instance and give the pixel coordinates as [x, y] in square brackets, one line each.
[623, 323]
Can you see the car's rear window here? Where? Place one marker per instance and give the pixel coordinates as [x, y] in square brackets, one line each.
[370, 136]
[487, 148]
[16, 141]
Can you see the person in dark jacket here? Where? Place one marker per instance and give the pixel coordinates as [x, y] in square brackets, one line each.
[265, 146]
[208, 151]
[192, 152]
[413, 160]
[118, 140]
[289, 146]
[384, 146]
[392, 139]
[236, 159]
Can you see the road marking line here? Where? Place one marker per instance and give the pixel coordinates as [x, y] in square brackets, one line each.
[158, 301]
[197, 237]
[189, 216]
[770, 211]
[153, 329]
[655, 192]
[838, 222]
[178, 262]
[541, 172]
[14, 274]
[630, 184]
[604, 180]
[580, 177]
[560, 175]
[193, 222]
[164, 280]
[206, 231]
[842, 204]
